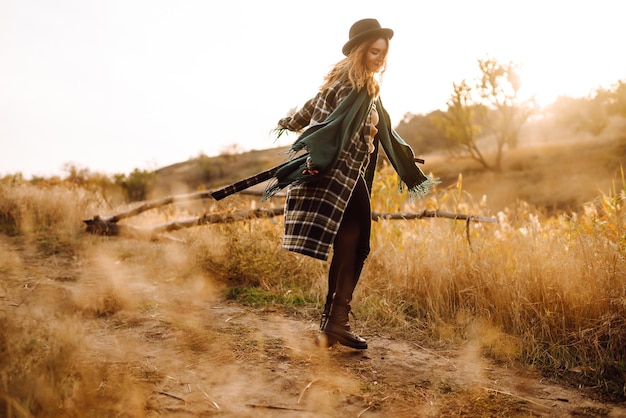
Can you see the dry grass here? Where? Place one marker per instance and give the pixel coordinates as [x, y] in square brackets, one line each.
[549, 291]
[544, 288]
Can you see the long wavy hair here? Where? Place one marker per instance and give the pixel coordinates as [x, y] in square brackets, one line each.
[353, 68]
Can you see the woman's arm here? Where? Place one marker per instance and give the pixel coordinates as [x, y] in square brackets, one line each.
[299, 119]
[317, 109]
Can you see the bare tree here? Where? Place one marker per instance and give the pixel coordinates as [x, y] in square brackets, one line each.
[490, 107]
[459, 122]
[505, 112]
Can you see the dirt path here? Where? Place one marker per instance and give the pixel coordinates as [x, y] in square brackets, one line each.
[159, 347]
[278, 371]
[272, 368]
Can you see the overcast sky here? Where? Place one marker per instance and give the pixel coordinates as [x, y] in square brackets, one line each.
[114, 85]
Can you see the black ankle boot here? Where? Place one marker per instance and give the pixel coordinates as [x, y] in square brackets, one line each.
[337, 329]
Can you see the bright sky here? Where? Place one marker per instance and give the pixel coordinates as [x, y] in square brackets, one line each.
[114, 85]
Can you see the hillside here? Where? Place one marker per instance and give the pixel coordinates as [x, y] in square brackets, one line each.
[213, 172]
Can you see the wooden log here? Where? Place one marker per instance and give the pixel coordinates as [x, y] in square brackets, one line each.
[151, 204]
[103, 223]
[108, 226]
[218, 218]
[102, 226]
[433, 214]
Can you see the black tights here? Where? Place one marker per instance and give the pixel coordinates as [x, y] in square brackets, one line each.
[351, 246]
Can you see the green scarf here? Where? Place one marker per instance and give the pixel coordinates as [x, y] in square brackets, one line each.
[325, 141]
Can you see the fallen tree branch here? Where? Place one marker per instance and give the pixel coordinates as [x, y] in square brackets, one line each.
[432, 214]
[218, 218]
[108, 225]
[153, 204]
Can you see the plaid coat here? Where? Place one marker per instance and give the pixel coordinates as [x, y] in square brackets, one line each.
[313, 211]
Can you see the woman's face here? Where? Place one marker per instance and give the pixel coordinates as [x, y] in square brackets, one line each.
[375, 55]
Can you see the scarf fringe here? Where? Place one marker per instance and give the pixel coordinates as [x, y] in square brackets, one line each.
[419, 191]
[288, 152]
[275, 185]
[270, 190]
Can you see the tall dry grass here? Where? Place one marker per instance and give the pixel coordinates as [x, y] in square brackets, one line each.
[41, 371]
[49, 216]
[550, 291]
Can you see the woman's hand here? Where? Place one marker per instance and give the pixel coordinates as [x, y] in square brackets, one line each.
[309, 167]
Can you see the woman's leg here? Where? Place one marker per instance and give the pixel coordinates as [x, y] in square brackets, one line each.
[350, 249]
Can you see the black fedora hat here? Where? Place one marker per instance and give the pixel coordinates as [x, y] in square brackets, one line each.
[365, 29]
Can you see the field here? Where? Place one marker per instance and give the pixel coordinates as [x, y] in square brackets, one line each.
[524, 317]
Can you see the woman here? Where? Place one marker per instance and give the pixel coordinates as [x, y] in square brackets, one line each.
[328, 200]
